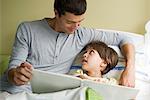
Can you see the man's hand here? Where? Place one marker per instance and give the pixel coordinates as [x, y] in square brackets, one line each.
[127, 78]
[20, 75]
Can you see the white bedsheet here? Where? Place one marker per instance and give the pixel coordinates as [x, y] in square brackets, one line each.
[70, 94]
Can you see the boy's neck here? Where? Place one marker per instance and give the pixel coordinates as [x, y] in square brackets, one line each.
[95, 74]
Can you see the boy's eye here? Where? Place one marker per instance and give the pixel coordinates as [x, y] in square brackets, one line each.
[84, 52]
[92, 51]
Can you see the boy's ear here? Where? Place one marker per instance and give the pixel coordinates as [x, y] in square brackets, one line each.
[103, 65]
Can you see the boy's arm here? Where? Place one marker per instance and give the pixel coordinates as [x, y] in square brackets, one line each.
[128, 76]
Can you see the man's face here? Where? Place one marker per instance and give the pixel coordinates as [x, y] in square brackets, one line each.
[69, 22]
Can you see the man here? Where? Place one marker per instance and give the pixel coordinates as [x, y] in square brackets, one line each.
[51, 44]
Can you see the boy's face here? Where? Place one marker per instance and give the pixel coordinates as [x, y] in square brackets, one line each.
[92, 62]
[68, 22]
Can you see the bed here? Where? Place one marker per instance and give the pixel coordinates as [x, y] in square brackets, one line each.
[142, 63]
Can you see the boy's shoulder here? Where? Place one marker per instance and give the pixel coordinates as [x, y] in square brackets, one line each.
[75, 70]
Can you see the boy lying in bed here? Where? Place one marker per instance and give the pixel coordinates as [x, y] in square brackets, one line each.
[97, 60]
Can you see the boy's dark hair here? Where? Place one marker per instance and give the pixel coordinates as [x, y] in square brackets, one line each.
[77, 7]
[111, 59]
[106, 53]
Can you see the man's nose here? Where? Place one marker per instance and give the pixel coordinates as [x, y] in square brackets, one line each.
[76, 25]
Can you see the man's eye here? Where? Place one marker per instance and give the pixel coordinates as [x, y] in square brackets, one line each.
[69, 22]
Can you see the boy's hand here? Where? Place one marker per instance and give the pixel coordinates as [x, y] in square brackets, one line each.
[97, 79]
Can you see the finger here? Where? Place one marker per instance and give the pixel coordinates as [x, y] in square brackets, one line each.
[18, 79]
[25, 72]
[81, 76]
[26, 64]
[127, 84]
[29, 72]
[27, 69]
[131, 85]
[19, 82]
[121, 82]
[84, 76]
[22, 78]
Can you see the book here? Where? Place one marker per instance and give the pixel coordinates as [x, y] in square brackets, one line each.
[47, 82]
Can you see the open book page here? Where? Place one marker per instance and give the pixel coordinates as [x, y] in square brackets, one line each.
[44, 82]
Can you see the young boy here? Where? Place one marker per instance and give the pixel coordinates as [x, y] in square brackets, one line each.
[97, 60]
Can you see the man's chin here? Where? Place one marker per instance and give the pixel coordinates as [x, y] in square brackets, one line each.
[71, 31]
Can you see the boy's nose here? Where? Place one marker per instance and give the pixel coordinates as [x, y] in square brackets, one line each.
[85, 55]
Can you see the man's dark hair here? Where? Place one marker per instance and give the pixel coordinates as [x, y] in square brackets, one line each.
[77, 7]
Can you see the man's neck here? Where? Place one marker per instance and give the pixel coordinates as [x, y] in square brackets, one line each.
[52, 23]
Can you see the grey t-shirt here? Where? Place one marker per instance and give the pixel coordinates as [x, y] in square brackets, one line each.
[37, 43]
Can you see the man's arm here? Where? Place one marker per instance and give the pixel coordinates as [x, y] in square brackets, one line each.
[128, 76]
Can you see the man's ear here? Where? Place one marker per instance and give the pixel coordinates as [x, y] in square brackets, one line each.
[56, 13]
